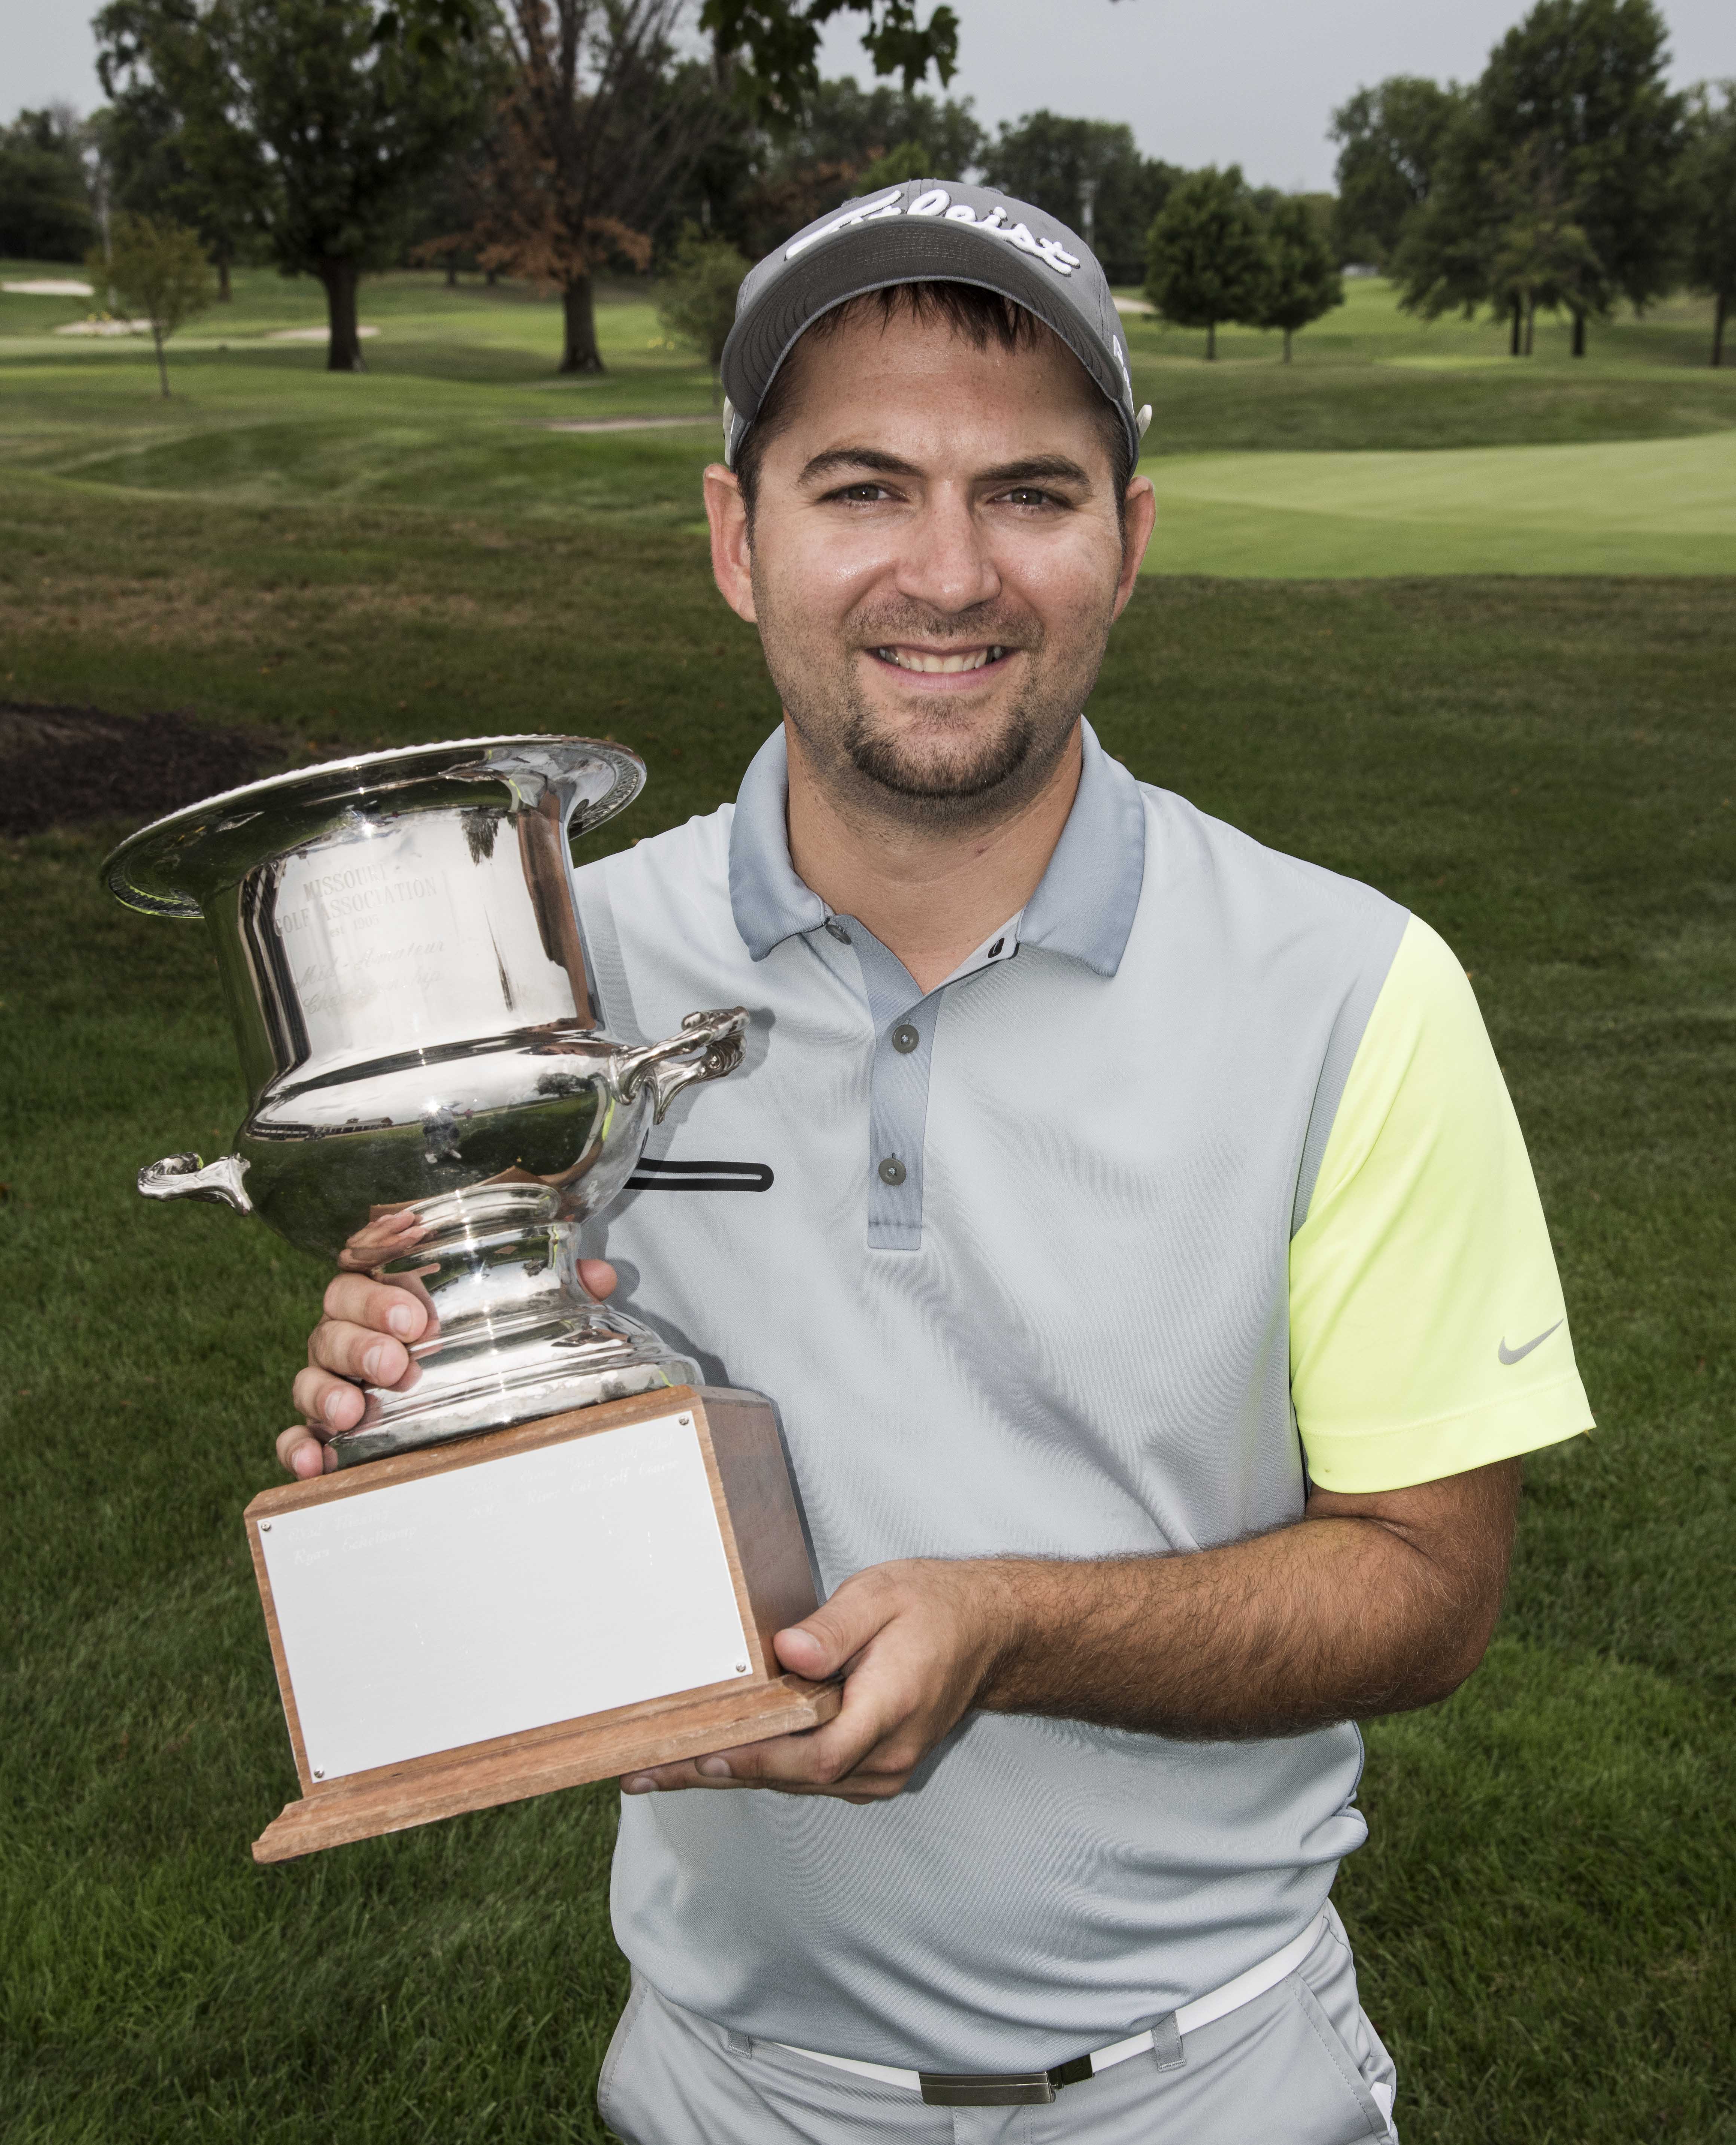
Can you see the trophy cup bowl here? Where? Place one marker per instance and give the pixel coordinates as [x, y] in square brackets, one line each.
[431, 1095]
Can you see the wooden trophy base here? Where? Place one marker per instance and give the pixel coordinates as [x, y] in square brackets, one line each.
[563, 1601]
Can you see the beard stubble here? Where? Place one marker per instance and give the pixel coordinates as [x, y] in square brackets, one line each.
[977, 777]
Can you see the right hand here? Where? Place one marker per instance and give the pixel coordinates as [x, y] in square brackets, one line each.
[364, 1337]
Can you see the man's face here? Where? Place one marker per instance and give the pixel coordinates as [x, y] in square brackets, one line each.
[934, 563]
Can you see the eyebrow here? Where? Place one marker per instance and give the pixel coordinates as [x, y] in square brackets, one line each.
[1033, 470]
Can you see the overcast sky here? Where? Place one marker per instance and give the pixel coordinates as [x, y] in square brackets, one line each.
[1246, 81]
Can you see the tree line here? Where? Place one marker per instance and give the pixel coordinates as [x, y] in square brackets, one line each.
[1568, 178]
[560, 140]
[546, 138]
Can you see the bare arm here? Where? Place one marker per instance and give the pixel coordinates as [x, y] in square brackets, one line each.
[1371, 1605]
[1368, 1604]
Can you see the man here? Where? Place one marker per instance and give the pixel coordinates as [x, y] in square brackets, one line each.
[1151, 1281]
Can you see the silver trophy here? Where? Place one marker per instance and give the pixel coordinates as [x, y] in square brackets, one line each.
[432, 1097]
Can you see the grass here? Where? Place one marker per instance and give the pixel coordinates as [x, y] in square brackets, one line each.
[457, 413]
[1545, 767]
[1623, 506]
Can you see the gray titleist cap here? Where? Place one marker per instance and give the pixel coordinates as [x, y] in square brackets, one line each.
[927, 231]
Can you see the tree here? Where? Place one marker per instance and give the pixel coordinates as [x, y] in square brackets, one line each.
[1391, 138]
[1540, 254]
[704, 278]
[759, 180]
[1442, 260]
[166, 147]
[157, 271]
[905, 160]
[1709, 208]
[762, 177]
[1300, 280]
[1206, 257]
[768, 50]
[322, 117]
[747, 171]
[843, 123]
[599, 119]
[1090, 174]
[1583, 81]
[1503, 226]
[45, 209]
[442, 232]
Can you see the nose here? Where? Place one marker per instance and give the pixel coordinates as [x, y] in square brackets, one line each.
[944, 560]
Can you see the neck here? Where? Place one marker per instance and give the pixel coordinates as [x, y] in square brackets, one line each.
[930, 895]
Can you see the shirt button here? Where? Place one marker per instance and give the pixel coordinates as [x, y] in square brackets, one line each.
[891, 1171]
[905, 1038]
[838, 931]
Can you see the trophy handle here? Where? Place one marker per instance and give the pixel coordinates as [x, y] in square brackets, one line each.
[185, 1176]
[717, 1036]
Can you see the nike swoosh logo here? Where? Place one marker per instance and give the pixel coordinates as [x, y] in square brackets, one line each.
[1514, 1355]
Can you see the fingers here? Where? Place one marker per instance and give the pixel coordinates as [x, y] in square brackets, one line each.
[356, 1351]
[865, 1752]
[821, 1647]
[301, 1454]
[328, 1403]
[358, 1300]
[825, 1644]
[914, 1642]
[855, 1769]
[735, 1769]
[364, 1334]
[365, 1338]
[384, 1238]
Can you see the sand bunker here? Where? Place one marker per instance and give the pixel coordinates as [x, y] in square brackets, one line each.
[311, 335]
[105, 328]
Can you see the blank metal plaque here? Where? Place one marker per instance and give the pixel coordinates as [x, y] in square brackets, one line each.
[484, 1600]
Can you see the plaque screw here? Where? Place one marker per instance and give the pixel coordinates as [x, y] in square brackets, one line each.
[686, 1420]
[741, 1668]
[265, 1527]
[319, 1772]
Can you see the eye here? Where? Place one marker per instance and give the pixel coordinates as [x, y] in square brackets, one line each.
[1028, 495]
[867, 493]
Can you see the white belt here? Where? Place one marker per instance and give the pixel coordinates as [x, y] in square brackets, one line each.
[1216, 2003]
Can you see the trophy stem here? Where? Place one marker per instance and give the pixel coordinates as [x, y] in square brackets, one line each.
[514, 1334]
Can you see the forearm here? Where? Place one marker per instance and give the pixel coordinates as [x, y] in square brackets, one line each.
[1335, 1618]
[1371, 1604]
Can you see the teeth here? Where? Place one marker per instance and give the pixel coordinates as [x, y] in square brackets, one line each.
[943, 665]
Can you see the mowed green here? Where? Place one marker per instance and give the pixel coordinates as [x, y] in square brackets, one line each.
[1543, 766]
[1628, 506]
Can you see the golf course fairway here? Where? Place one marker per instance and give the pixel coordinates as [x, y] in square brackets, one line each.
[1625, 506]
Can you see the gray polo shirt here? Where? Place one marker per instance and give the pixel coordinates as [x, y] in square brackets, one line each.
[1012, 1257]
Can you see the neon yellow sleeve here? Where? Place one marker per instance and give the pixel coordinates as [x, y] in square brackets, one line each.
[1428, 1334]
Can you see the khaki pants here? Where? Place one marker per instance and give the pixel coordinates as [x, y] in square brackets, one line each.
[1299, 2065]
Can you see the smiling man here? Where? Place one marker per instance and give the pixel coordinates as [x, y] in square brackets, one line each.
[1151, 1275]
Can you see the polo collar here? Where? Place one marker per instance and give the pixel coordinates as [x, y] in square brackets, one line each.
[1083, 906]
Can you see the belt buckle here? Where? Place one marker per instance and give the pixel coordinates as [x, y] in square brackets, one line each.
[1000, 2088]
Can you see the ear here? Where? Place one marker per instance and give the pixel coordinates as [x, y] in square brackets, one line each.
[732, 551]
[1142, 520]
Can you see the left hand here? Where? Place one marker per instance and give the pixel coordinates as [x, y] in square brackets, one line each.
[917, 1642]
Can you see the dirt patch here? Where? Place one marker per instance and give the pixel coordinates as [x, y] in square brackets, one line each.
[61, 765]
